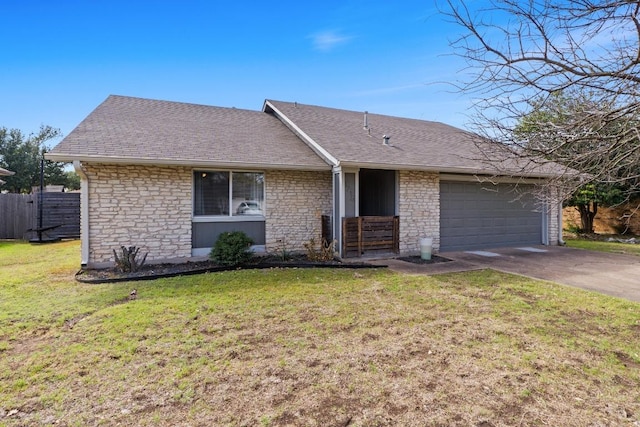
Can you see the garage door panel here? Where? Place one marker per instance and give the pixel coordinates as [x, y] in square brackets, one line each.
[479, 216]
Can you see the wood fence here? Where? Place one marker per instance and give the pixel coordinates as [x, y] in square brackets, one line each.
[364, 234]
[19, 215]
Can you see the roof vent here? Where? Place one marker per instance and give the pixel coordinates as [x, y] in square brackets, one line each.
[366, 121]
[385, 139]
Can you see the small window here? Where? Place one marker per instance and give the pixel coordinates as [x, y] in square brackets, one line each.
[228, 193]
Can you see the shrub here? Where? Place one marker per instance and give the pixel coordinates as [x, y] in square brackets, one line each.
[324, 253]
[232, 248]
[282, 250]
[128, 262]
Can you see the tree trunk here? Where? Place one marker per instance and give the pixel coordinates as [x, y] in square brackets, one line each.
[588, 212]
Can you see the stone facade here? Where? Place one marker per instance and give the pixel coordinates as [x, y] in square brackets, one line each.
[144, 206]
[295, 202]
[151, 207]
[419, 209]
[553, 222]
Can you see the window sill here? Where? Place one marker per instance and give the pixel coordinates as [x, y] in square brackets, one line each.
[235, 218]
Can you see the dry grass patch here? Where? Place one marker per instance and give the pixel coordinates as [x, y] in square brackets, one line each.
[316, 348]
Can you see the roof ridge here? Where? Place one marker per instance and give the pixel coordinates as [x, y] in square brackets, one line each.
[369, 112]
[165, 101]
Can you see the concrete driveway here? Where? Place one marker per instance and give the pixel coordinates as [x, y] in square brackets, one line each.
[612, 274]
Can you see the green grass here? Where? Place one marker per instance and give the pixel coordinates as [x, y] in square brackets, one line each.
[309, 347]
[596, 245]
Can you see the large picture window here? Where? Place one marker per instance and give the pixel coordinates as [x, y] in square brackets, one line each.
[222, 193]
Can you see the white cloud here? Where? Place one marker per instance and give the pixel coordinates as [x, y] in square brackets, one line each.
[327, 40]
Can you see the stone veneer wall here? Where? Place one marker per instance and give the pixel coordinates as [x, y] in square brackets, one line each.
[419, 209]
[553, 223]
[144, 206]
[295, 201]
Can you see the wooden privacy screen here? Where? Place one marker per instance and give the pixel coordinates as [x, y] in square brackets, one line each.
[370, 234]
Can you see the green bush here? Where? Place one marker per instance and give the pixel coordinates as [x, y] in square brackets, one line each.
[232, 248]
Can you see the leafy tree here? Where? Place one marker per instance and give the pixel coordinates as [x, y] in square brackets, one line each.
[518, 51]
[72, 180]
[540, 132]
[22, 154]
[587, 199]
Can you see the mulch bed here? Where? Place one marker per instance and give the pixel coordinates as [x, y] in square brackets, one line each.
[435, 259]
[156, 271]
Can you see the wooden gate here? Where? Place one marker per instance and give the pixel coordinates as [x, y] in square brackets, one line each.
[19, 215]
[370, 234]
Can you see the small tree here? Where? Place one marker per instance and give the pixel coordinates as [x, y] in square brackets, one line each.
[587, 199]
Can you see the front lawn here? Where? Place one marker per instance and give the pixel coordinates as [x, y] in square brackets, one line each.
[311, 347]
[603, 246]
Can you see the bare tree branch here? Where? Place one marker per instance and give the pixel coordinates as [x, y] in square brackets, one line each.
[521, 54]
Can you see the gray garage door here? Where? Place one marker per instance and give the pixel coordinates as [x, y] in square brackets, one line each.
[480, 216]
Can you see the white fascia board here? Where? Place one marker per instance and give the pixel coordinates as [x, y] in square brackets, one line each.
[441, 170]
[306, 138]
[180, 162]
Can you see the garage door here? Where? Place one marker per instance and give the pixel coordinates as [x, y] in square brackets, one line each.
[480, 216]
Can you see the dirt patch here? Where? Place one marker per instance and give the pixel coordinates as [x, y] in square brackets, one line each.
[435, 259]
[626, 360]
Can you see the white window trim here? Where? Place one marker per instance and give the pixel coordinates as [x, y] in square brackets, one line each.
[225, 218]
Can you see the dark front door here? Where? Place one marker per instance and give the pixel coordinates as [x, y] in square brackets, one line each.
[377, 192]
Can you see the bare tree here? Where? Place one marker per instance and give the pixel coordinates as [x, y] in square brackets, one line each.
[521, 53]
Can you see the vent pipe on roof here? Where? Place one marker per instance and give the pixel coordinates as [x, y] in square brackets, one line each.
[385, 139]
[366, 121]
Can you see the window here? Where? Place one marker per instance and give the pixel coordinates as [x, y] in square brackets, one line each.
[228, 193]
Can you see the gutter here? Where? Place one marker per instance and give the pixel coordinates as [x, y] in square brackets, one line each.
[192, 163]
[84, 213]
[442, 170]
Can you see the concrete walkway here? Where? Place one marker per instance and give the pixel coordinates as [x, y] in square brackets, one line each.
[612, 274]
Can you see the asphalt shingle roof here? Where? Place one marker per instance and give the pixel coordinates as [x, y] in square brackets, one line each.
[136, 130]
[285, 135]
[414, 144]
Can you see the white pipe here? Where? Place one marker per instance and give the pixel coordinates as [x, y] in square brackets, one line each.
[84, 213]
[560, 241]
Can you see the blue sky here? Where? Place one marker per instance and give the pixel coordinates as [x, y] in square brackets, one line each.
[62, 58]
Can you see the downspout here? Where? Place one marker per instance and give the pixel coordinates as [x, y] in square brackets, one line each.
[546, 217]
[84, 213]
[560, 241]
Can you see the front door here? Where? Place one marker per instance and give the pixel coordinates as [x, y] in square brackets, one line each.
[377, 192]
